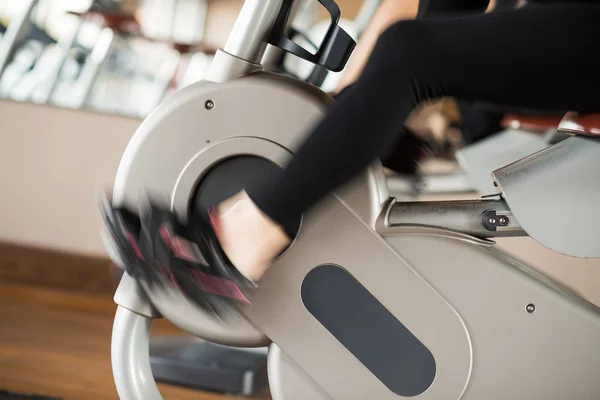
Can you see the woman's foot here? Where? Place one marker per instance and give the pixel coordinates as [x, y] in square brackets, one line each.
[216, 259]
[250, 239]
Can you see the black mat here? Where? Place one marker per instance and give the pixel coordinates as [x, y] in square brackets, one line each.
[4, 395]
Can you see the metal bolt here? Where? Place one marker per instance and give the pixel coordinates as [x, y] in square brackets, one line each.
[530, 308]
[419, 186]
[503, 221]
[209, 105]
[492, 221]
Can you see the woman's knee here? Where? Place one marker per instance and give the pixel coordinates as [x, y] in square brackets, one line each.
[404, 60]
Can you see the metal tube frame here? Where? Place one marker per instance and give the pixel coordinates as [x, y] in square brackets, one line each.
[248, 38]
[91, 70]
[65, 44]
[130, 357]
[15, 29]
[482, 219]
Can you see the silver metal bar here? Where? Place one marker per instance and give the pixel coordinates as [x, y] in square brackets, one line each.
[203, 14]
[270, 58]
[173, 17]
[16, 27]
[27, 85]
[469, 217]
[247, 42]
[65, 44]
[249, 35]
[93, 66]
[130, 347]
[24, 59]
[166, 73]
[130, 357]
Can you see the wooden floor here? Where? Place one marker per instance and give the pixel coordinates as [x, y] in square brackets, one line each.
[56, 343]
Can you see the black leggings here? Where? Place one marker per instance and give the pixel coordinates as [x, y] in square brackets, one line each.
[535, 58]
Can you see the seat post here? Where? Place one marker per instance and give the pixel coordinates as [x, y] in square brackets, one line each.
[248, 38]
[247, 43]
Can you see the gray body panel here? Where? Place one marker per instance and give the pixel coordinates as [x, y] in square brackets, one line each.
[516, 354]
[480, 159]
[553, 194]
[550, 354]
[284, 319]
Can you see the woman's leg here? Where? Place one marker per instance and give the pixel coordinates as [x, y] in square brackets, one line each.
[405, 153]
[535, 58]
[389, 11]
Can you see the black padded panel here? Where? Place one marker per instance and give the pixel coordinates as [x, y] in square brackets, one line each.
[368, 330]
[232, 175]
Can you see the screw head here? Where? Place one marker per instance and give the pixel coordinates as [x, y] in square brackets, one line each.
[492, 221]
[530, 308]
[419, 186]
[503, 220]
[209, 105]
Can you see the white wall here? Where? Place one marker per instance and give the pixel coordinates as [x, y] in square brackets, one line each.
[52, 164]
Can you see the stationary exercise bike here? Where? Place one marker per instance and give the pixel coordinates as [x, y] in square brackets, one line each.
[375, 298]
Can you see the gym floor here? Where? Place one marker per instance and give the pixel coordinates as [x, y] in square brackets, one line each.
[57, 343]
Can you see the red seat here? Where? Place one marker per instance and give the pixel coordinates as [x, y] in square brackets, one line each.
[538, 124]
[580, 124]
